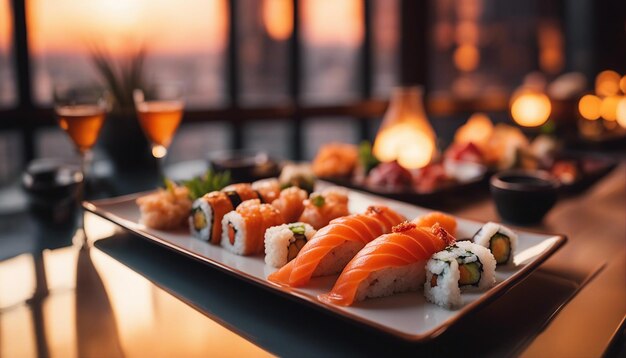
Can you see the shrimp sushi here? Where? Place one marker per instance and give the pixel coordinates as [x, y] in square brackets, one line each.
[290, 203]
[460, 267]
[500, 240]
[446, 221]
[390, 264]
[323, 207]
[244, 227]
[284, 242]
[333, 246]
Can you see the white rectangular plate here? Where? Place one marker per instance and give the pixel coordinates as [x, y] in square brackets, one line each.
[406, 315]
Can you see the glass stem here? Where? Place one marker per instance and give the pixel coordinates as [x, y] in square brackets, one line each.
[80, 195]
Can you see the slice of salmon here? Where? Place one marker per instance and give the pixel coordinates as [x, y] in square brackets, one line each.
[408, 244]
[446, 221]
[358, 230]
[221, 205]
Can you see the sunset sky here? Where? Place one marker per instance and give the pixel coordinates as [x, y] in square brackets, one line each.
[5, 24]
[170, 27]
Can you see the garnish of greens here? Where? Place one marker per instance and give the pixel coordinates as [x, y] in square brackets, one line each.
[206, 183]
[367, 160]
[297, 229]
[318, 200]
[170, 185]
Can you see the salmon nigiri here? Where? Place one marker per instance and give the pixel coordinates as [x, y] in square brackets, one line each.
[446, 221]
[390, 264]
[333, 246]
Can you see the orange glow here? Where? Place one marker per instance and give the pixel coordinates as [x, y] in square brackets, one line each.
[277, 18]
[6, 26]
[621, 112]
[121, 26]
[405, 143]
[466, 58]
[477, 130]
[551, 58]
[405, 135]
[622, 84]
[607, 83]
[467, 33]
[531, 109]
[589, 107]
[608, 109]
[17, 280]
[145, 314]
[332, 22]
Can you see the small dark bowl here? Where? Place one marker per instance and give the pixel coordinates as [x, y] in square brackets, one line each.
[243, 165]
[52, 187]
[523, 197]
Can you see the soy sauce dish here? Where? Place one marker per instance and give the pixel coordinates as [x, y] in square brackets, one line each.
[524, 197]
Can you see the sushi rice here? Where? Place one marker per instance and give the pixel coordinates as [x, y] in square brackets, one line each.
[500, 240]
[283, 242]
[464, 266]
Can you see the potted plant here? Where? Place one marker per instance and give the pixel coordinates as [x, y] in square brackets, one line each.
[121, 137]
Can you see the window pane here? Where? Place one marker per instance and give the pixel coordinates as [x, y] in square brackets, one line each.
[7, 74]
[272, 137]
[332, 33]
[320, 131]
[386, 31]
[264, 29]
[195, 141]
[486, 47]
[185, 41]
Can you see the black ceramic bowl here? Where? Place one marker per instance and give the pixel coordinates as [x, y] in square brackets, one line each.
[243, 165]
[49, 182]
[523, 197]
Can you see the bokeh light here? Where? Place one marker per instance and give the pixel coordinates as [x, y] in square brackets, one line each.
[466, 58]
[531, 109]
[621, 112]
[278, 19]
[608, 110]
[589, 107]
[607, 83]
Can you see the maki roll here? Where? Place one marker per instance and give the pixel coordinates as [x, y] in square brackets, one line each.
[290, 203]
[244, 227]
[267, 189]
[238, 193]
[207, 212]
[205, 222]
[283, 242]
[321, 208]
[501, 240]
[462, 266]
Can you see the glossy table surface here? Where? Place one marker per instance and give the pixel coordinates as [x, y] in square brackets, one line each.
[123, 296]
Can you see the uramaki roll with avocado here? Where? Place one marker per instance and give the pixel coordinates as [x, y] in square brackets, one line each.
[460, 267]
[500, 240]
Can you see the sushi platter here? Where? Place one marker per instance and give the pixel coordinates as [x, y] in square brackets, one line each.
[408, 315]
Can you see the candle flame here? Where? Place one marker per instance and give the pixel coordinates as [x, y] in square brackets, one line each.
[405, 142]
